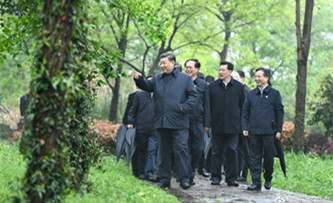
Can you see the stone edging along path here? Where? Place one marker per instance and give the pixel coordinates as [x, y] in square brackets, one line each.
[203, 191]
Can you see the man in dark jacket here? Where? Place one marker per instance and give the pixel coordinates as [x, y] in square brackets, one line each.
[243, 167]
[24, 102]
[226, 97]
[174, 98]
[262, 120]
[199, 117]
[128, 106]
[141, 116]
[242, 77]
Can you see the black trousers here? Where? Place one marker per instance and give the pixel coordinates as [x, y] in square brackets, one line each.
[196, 145]
[178, 139]
[261, 146]
[140, 155]
[230, 142]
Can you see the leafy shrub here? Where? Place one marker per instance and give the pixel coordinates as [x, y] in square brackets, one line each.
[321, 105]
[287, 135]
[287, 138]
[106, 134]
[320, 144]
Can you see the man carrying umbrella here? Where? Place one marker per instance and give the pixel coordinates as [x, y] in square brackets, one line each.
[174, 97]
[262, 112]
[141, 116]
[199, 118]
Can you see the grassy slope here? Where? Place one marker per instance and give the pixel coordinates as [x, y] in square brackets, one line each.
[114, 183]
[111, 182]
[312, 176]
[12, 168]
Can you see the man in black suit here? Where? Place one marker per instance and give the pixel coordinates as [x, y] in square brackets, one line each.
[226, 97]
[199, 117]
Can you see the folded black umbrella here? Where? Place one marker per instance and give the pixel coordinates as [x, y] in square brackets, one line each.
[120, 141]
[208, 142]
[280, 155]
[130, 144]
[244, 148]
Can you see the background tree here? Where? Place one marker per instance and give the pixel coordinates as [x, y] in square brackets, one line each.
[321, 106]
[303, 48]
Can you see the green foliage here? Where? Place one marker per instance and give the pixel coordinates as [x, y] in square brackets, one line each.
[308, 175]
[321, 105]
[12, 169]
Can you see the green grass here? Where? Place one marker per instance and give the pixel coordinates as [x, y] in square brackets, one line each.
[307, 175]
[110, 182]
[12, 169]
[114, 183]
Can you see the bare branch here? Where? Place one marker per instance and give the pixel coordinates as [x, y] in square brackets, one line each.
[130, 64]
[211, 47]
[109, 84]
[279, 66]
[198, 41]
[112, 28]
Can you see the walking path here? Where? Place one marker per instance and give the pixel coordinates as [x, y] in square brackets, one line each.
[203, 191]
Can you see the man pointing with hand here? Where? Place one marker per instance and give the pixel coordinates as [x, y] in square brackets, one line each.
[174, 97]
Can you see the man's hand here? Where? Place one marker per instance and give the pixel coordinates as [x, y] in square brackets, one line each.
[278, 136]
[137, 75]
[245, 133]
[206, 129]
[129, 126]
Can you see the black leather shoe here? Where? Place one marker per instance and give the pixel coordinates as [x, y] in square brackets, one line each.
[141, 177]
[152, 177]
[268, 185]
[163, 185]
[254, 187]
[192, 182]
[233, 183]
[241, 179]
[185, 185]
[215, 182]
[203, 172]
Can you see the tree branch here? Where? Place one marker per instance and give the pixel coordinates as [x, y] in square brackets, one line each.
[109, 84]
[112, 28]
[130, 64]
[211, 47]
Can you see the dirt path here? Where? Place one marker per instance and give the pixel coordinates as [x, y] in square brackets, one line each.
[203, 191]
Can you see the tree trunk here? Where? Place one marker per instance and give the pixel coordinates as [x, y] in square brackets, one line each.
[122, 45]
[47, 175]
[303, 47]
[227, 17]
[115, 100]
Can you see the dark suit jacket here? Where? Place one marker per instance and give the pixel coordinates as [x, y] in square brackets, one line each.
[23, 103]
[174, 98]
[201, 113]
[141, 113]
[226, 106]
[263, 114]
[128, 106]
